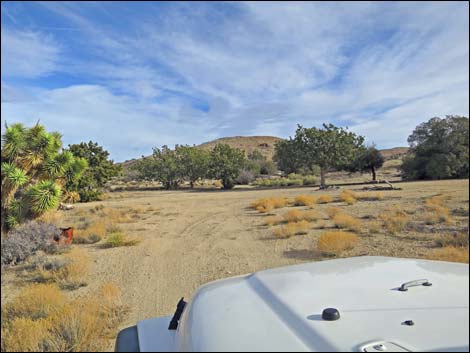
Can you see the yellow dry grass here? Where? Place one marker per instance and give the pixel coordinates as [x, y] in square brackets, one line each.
[25, 335]
[450, 254]
[97, 228]
[53, 217]
[348, 197]
[325, 199]
[335, 243]
[310, 215]
[36, 301]
[268, 204]
[41, 318]
[345, 221]
[436, 211]
[273, 220]
[293, 216]
[395, 220]
[333, 211]
[69, 274]
[292, 228]
[304, 200]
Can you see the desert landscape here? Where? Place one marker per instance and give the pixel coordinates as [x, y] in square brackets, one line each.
[150, 148]
[188, 238]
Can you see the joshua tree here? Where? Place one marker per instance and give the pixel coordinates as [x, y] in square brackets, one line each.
[34, 170]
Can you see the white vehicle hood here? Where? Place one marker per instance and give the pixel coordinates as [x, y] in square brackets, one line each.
[281, 309]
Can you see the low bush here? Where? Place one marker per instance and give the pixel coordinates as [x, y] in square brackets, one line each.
[310, 215]
[325, 199]
[345, 221]
[34, 302]
[450, 254]
[347, 197]
[117, 239]
[395, 220]
[293, 216]
[273, 220]
[292, 228]
[436, 213]
[332, 211]
[66, 272]
[334, 243]
[26, 335]
[41, 318]
[268, 204]
[309, 180]
[90, 239]
[245, 177]
[437, 200]
[304, 200]
[291, 180]
[26, 240]
[93, 233]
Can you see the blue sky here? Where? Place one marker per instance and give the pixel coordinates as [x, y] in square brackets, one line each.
[134, 75]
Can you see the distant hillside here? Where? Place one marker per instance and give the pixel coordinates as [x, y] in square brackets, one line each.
[265, 144]
[394, 153]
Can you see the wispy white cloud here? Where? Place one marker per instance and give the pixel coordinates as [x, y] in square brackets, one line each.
[28, 54]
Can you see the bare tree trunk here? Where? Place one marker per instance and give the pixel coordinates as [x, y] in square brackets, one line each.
[322, 177]
[374, 174]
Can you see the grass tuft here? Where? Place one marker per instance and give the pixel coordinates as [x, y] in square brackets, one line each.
[348, 197]
[345, 221]
[292, 228]
[118, 239]
[268, 204]
[395, 220]
[334, 243]
[332, 211]
[304, 200]
[41, 318]
[450, 254]
[325, 199]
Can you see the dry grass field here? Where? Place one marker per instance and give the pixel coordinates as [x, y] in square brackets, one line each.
[158, 246]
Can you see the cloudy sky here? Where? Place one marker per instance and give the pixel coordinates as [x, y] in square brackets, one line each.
[133, 75]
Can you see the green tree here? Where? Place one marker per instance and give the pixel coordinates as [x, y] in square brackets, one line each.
[194, 162]
[439, 149]
[258, 164]
[100, 170]
[164, 166]
[329, 148]
[287, 157]
[225, 164]
[368, 160]
[35, 170]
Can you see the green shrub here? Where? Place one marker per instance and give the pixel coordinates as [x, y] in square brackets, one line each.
[117, 239]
